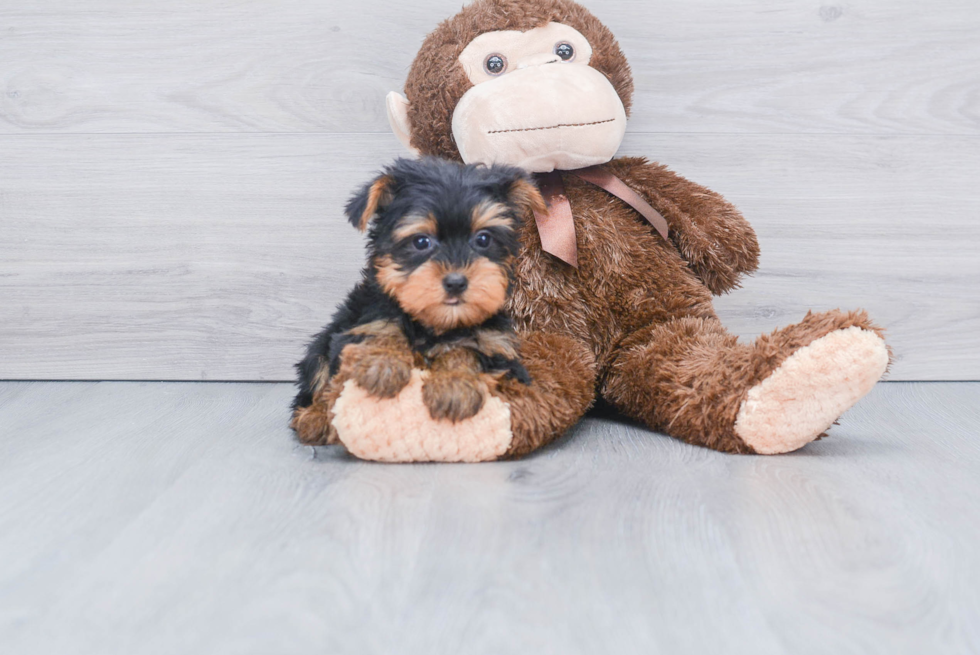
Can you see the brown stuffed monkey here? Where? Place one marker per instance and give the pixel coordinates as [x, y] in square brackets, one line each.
[604, 304]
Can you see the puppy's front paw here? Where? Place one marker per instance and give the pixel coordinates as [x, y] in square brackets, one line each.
[453, 396]
[382, 377]
[312, 425]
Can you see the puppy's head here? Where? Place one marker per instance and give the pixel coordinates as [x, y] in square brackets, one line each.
[442, 236]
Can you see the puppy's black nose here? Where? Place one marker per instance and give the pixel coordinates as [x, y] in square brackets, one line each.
[454, 283]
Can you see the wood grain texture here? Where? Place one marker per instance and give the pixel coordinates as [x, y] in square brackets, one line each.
[172, 174]
[869, 66]
[216, 256]
[167, 518]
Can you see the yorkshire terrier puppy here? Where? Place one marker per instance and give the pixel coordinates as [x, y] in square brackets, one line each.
[442, 238]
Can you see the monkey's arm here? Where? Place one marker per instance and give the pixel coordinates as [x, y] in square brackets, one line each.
[710, 233]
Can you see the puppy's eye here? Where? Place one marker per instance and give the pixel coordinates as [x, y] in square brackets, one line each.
[565, 51]
[421, 242]
[482, 240]
[495, 64]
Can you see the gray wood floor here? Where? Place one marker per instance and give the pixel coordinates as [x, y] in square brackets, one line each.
[182, 518]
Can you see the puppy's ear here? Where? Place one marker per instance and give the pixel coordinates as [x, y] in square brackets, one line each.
[371, 199]
[523, 193]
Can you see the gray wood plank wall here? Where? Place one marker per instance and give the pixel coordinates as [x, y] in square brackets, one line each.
[171, 174]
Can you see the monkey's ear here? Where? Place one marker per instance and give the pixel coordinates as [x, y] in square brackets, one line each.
[398, 119]
[523, 193]
[371, 199]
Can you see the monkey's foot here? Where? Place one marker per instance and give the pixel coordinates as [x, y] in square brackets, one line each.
[810, 390]
[400, 429]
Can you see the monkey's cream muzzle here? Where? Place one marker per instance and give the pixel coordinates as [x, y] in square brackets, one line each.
[541, 118]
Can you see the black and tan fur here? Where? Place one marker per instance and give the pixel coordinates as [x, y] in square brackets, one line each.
[442, 240]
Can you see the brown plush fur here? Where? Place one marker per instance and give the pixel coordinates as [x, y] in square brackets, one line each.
[436, 81]
[688, 377]
[634, 321]
[564, 373]
[711, 235]
[628, 280]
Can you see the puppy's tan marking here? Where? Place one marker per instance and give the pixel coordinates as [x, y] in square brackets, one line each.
[381, 328]
[443, 349]
[421, 294]
[390, 276]
[526, 196]
[412, 225]
[455, 360]
[379, 195]
[492, 342]
[453, 396]
[485, 342]
[486, 293]
[382, 377]
[322, 376]
[454, 391]
[312, 425]
[491, 214]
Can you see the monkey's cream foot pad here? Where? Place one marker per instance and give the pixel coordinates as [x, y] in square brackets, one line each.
[810, 390]
[400, 429]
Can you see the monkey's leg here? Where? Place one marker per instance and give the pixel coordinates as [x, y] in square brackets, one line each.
[562, 389]
[691, 379]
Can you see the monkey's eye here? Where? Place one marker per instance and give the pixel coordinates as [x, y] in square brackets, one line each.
[565, 51]
[495, 64]
[421, 242]
[482, 240]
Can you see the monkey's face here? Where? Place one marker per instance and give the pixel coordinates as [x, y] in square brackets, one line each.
[536, 102]
[540, 84]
